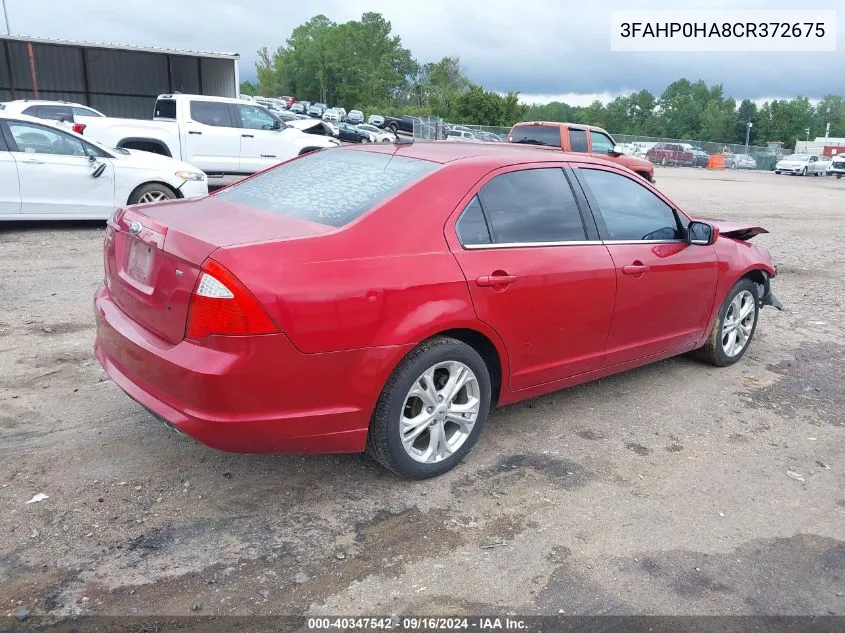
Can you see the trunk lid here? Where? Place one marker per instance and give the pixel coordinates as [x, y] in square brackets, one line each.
[153, 254]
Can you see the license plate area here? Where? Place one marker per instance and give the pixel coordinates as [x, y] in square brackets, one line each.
[139, 262]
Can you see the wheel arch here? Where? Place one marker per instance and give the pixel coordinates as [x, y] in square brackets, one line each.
[134, 142]
[175, 191]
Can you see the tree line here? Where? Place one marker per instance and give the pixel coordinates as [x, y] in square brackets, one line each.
[361, 64]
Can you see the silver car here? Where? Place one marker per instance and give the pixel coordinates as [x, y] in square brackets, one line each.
[803, 164]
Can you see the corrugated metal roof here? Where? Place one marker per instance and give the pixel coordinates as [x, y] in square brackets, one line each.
[127, 47]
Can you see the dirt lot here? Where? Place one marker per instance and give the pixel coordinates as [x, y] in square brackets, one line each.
[659, 491]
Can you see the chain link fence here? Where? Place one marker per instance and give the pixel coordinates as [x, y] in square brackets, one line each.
[434, 129]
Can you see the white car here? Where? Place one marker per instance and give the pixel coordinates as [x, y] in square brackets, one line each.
[71, 116]
[803, 164]
[50, 173]
[377, 135]
[332, 115]
[375, 119]
[460, 135]
[837, 165]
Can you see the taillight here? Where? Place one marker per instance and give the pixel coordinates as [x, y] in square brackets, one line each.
[221, 304]
[79, 128]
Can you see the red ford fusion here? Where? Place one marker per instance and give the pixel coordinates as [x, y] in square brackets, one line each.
[385, 298]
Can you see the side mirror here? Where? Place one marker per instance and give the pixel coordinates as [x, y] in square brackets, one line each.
[701, 233]
[277, 125]
[618, 150]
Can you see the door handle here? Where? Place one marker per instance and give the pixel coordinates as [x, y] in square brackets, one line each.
[248, 135]
[194, 132]
[637, 268]
[486, 281]
[32, 161]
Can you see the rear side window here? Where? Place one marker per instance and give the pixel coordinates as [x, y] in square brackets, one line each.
[472, 227]
[536, 135]
[578, 140]
[165, 109]
[331, 187]
[77, 111]
[532, 205]
[212, 113]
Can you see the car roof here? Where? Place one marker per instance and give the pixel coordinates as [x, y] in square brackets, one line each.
[32, 102]
[492, 154]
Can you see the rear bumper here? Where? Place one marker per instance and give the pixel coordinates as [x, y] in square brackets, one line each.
[245, 394]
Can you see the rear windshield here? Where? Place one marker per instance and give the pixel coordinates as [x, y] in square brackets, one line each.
[536, 135]
[330, 187]
[165, 109]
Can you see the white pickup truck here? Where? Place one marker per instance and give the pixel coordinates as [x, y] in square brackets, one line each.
[226, 138]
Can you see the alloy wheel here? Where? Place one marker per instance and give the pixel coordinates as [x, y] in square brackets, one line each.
[738, 323]
[153, 196]
[439, 412]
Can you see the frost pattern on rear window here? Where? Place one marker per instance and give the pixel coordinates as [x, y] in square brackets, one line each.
[330, 187]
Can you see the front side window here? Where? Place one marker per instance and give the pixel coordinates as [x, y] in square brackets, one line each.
[532, 205]
[601, 143]
[577, 140]
[37, 139]
[629, 210]
[255, 118]
[328, 187]
[211, 113]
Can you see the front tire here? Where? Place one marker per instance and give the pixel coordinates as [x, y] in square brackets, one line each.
[151, 193]
[804, 172]
[736, 322]
[432, 409]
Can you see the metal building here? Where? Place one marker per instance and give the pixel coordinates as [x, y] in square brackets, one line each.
[120, 81]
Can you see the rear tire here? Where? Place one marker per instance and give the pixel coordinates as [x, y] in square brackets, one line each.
[734, 326]
[151, 193]
[420, 389]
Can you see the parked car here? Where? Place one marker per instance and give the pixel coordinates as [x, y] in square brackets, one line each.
[460, 135]
[380, 135]
[317, 110]
[298, 108]
[331, 115]
[700, 157]
[376, 119]
[71, 116]
[803, 164]
[355, 117]
[671, 154]
[225, 138]
[284, 291]
[405, 123]
[288, 101]
[490, 137]
[50, 173]
[743, 161]
[581, 139]
[837, 165]
[352, 134]
[341, 112]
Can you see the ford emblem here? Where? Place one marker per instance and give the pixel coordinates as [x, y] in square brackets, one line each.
[135, 228]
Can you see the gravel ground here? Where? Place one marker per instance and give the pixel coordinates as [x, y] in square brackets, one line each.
[664, 490]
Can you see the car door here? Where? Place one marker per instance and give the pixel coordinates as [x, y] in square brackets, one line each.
[261, 139]
[56, 172]
[10, 191]
[665, 286]
[212, 139]
[601, 145]
[536, 276]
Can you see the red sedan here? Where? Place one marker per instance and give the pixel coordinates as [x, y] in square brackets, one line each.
[384, 298]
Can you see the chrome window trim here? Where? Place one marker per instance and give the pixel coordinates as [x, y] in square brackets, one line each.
[475, 247]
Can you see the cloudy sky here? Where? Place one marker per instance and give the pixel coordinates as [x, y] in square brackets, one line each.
[545, 49]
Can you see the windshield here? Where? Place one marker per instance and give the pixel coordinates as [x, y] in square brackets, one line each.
[798, 157]
[331, 187]
[536, 135]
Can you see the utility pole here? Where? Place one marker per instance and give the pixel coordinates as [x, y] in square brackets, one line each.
[827, 130]
[807, 130]
[748, 127]
[6, 17]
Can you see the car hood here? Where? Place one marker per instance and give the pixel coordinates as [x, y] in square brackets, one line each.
[138, 159]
